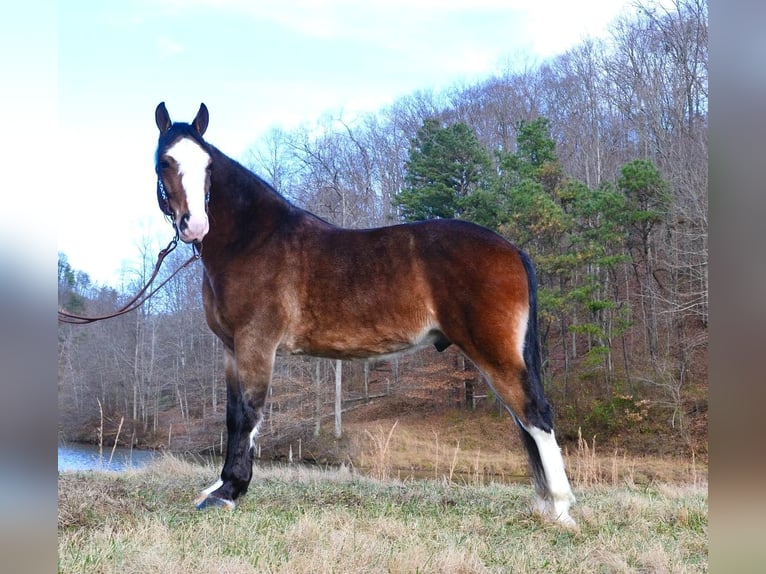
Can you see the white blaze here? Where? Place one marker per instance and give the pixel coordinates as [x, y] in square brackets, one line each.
[192, 163]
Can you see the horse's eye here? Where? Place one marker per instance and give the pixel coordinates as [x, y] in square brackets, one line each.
[164, 164]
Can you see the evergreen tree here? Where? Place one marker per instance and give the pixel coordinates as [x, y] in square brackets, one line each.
[70, 286]
[447, 165]
[647, 200]
[535, 147]
[647, 204]
[534, 217]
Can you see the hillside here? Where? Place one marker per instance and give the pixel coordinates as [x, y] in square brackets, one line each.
[416, 423]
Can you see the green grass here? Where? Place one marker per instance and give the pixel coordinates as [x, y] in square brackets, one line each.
[298, 520]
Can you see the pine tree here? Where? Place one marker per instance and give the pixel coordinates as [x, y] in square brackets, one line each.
[447, 165]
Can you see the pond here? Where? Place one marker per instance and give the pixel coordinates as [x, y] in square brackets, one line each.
[76, 457]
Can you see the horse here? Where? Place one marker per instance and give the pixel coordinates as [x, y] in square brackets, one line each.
[279, 280]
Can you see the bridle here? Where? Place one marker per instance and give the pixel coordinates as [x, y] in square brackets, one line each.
[144, 294]
[162, 199]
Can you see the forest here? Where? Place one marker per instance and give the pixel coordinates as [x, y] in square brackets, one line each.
[594, 162]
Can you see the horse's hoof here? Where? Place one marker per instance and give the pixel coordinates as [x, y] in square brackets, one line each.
[555, 512]
[215, 502]
[567, 522]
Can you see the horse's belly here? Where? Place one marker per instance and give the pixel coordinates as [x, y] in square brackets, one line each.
[362, 343]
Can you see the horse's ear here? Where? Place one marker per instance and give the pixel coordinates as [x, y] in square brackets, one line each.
[200, 122]
[162, 118]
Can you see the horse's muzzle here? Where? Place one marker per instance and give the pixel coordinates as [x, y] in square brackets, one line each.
[192, 229]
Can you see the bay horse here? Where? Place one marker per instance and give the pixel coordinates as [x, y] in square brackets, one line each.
[279, 280]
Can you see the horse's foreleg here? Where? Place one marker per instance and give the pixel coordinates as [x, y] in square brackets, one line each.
[246, 394]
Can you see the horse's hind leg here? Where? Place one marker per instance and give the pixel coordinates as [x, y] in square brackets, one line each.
[534, 417]
[246, 394]
[554, 494]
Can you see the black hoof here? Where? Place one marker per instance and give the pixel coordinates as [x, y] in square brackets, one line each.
[215, 502]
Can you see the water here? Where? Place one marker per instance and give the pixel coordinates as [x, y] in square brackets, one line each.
[77, 457]
[83, 457]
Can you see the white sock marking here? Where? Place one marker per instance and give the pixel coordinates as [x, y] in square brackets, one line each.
[215, 486]
[553, 465]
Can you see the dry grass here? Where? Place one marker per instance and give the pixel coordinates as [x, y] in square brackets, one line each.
[301, 520]
[380, 455]
[417, 452]
[402, 450]
[586, 468]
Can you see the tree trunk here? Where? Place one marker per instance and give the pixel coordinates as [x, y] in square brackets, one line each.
[317, 396]
[338, 397]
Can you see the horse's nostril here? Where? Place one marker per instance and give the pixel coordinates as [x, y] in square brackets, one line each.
[184, 222]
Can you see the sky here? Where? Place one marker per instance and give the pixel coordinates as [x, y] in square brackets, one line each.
[257, 65]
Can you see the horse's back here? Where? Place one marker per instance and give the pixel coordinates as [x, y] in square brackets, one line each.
[461, 256]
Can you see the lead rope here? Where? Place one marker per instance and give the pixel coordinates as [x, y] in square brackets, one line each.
[142, 296]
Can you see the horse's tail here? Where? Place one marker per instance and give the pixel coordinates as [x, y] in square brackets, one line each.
[538, 412]
[532, 360]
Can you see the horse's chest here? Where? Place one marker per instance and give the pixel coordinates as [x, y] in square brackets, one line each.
[220, 318]
[241, 303]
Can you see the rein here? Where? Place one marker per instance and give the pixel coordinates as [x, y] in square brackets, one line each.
[142, 296]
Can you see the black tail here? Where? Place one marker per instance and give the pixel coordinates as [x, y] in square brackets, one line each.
[531, 344]
[535, 462]
[537, 411]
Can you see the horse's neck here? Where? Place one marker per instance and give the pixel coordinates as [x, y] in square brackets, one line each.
[243, 208]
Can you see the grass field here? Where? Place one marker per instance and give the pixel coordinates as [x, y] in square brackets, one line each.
[301, 520]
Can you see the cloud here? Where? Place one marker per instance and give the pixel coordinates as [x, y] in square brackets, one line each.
[459, 35]
[557, 25]
[168, 47]
[350, 18]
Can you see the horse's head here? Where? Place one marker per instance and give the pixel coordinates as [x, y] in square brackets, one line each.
[183, 173]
